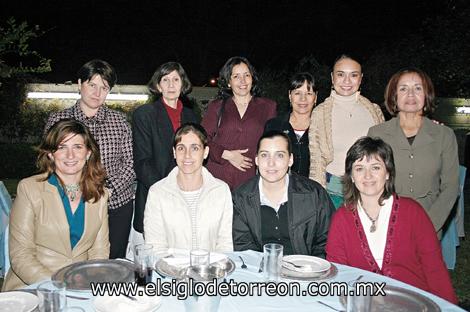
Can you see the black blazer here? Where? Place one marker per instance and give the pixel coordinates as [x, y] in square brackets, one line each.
[300, 147]
[309, 210]
[153, 150]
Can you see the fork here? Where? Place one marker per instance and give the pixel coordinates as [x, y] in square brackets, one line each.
[294, 265]
[261, 265]
[333, 308]
[243, 262]
[78, 298]
[128, 296]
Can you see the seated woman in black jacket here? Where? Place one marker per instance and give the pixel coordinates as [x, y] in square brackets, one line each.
[295, 123]
[277, 207]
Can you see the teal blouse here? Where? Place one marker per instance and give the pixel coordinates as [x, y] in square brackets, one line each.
[76, 220]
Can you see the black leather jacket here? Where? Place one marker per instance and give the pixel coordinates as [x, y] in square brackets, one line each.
[309, 210]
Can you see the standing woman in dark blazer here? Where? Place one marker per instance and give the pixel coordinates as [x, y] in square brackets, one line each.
[235, 121]
[303, 96]
[153, 128]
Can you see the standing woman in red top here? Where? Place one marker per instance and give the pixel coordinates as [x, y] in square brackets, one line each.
[235, 121]
[153, 128]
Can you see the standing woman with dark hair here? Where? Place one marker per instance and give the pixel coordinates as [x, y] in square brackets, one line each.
[59, 216]
[113, 135]
[235, 122]
[426, 154]
[337, 123]
[378, 231]
[154, 126]
[295, 123]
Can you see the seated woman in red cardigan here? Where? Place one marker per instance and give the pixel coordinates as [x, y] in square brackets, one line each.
[378, 231]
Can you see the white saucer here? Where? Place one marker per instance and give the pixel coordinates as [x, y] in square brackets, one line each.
[123, 304]
[18, 301]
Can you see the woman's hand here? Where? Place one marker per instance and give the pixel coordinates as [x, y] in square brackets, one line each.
[236, 158]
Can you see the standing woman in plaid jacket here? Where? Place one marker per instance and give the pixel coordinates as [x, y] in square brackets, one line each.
[113, 134]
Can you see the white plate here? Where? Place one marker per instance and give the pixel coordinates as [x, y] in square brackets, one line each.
[18, 301]
[399, 299]
[123, 304]
[174, 260]
[308, 264]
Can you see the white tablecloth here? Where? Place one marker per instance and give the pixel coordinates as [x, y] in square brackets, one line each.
[276, 303]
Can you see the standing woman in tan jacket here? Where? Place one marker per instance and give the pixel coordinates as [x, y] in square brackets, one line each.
[59, 216]
[337, 123]
[426, 153]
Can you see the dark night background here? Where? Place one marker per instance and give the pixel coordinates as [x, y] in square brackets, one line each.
[137, 36]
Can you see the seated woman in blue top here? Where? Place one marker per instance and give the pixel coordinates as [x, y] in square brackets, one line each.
[60, 215]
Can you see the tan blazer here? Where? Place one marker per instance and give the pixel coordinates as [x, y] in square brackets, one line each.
[39, 237]
[427, 170]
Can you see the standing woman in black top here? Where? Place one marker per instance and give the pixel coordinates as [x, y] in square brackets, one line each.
[303, 96]
[153, 128]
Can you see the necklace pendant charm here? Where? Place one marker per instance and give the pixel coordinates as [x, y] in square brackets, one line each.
[372, 228]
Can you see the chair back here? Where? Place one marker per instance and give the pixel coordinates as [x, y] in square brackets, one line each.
[5, 206]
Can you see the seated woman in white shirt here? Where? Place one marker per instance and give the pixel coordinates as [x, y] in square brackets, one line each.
[189, 209]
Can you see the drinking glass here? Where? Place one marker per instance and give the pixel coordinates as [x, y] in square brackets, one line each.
[359, 299]
[199, 257]
[272, 261]
[143, 260]
[51, 295]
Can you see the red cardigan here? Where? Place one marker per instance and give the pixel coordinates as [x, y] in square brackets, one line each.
[412, 251]
[235, 133]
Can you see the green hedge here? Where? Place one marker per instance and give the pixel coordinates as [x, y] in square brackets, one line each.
[18, 160]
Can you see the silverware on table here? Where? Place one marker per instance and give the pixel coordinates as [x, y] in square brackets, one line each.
[333, 308]
[160, 274]
[243, 263]
[78, 298]
[130, 297]
[261, 265]
[295, 265]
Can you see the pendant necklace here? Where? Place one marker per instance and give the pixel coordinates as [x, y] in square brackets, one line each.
[373, 227]
[72, 190]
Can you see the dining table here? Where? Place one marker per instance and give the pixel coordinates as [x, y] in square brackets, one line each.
[262, 302]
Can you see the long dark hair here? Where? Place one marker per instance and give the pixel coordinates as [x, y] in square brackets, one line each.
[226, 72]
